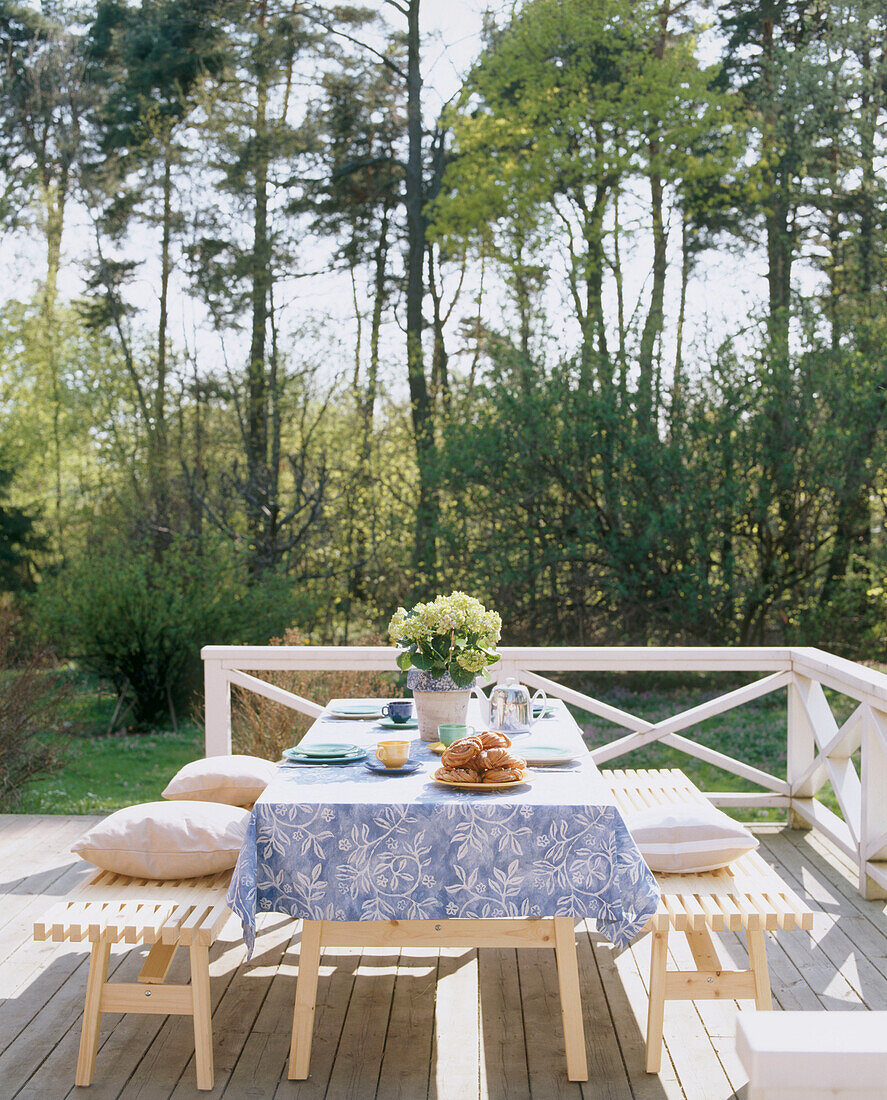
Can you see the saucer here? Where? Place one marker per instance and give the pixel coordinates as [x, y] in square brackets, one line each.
[380, 769]
[390, 724]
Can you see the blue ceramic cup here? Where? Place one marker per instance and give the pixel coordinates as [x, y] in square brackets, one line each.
[398, 710]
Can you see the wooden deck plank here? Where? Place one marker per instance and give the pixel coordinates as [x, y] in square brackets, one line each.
[503, 1067]
[239, 1006]
[841, 971]
[627, 1003]
[406, 1061]
[543, 1027]
[263, 1057]
[358, 1061]
[695, 1059]
[456, 1052]
[396, 1025]
[169, 1056]
[56, 1021]
[338, 973]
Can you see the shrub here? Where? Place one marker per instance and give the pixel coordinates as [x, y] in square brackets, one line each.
[263, 728]
[140, 622]
[32, 693]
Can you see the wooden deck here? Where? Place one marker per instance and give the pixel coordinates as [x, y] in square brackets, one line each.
[493, 1030]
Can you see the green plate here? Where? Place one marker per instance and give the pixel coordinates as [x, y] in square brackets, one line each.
[295, 757]
[326, 750]
[390, 724]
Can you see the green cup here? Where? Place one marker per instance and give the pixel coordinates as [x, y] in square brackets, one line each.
[450, 732]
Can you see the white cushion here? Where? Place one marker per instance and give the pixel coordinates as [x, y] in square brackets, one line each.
[814, 1054]
[695, 837]
[234, 780]
[164, 840]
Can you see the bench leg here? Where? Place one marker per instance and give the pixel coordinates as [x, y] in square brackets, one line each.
[656, 1009]
[202, 1008]
[92, 1010]
[571, 1001]
[757, 957]
[306, 998]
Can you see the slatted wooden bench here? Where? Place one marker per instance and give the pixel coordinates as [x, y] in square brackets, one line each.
[113, 908]
[748, 895]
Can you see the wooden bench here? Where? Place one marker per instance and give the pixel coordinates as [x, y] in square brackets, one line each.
[748, 895]
[113, 908]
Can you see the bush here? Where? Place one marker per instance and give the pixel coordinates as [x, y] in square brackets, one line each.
[31, 696]
[263, 728]
[140, 622]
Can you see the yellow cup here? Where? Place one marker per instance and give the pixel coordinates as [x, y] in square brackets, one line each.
[393, 754]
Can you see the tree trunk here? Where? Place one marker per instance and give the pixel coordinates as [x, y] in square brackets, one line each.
[655, 315]
[367, 405]
[54, 197]
[677, 387]
[777, 215]
[654, 321]
[595, 353]
[260, 278]
[440, 378]
[425, 540]
[157, 436]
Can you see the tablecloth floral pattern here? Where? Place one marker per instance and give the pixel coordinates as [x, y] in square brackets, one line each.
[379, 852]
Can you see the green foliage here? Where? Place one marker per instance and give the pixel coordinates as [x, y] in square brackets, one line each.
[140, 622]
[19, 540]
[572, 457]
[32, 695]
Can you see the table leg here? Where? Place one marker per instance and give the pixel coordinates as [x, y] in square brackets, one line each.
[92, 1009]
[656, 1008]
[306, 998]
[757, 956]
[571, 1001]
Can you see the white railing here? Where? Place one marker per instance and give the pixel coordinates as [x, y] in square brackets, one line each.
[818, 750]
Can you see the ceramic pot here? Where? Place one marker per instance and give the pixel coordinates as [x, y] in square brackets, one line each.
[438, 701]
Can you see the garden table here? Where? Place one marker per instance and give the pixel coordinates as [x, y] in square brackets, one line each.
[366, 859]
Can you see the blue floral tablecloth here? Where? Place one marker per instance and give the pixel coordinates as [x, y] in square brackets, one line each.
[340, 843]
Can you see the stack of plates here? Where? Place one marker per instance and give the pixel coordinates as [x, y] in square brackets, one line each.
[541, 756]
[325, 754]
[356, 710]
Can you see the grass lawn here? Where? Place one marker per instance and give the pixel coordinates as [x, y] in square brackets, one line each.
[101, 773]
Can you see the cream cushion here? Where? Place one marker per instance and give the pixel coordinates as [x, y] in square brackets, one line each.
[235, 780]
[164, 840]
[696, 837]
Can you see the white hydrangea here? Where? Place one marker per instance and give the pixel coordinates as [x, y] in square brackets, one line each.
[457, 617]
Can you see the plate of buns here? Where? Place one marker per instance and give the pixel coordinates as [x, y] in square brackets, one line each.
[482, 762]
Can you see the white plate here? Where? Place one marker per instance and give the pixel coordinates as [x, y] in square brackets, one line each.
[358, 711]
[541, 756]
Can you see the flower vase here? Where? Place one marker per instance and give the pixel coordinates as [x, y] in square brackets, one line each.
[438, 702]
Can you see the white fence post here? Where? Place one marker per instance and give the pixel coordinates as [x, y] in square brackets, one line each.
[801, 745]
[873, 816]
[217, 708]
